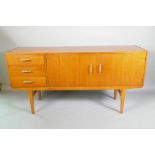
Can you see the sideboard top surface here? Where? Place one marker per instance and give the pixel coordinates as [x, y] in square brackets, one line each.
[77, 49]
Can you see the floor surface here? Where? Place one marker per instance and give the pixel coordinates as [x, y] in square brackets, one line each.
[77, 110]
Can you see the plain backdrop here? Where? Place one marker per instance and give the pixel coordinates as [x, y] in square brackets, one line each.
[11, 37]
[81, 12]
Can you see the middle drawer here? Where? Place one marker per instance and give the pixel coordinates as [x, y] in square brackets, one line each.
[34, 71]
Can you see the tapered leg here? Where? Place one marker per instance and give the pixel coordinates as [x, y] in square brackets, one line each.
[31, 98]
[39, 95]
[115, 94]
[123, 92]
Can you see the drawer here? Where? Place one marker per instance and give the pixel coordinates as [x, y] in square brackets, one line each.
[25, 59]
[28, 82]
[27, 71]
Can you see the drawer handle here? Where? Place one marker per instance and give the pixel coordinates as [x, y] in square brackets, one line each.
[100, 68]
[26, 71]
[25, 60]
[90, 68]
[27, 82]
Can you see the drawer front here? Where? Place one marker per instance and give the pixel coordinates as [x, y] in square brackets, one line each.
[25, 59]
[28, 82]
[27, 71]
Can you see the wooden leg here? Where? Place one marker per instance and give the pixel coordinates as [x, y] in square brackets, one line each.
[123, 92]
[31, 98]
[115, 94]
[39, 94]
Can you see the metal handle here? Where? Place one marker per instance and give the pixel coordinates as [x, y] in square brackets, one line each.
[26, 71]
[100, 68]
[25, 60]
[27, 82]
[90, 68]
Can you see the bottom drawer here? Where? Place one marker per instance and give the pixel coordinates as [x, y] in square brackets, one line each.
[27, 82]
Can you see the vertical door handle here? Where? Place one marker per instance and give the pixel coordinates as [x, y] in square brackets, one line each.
[100, 68]
[90, 68]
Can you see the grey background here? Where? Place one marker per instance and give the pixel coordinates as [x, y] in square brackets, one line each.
[11, 37]
[78, 109]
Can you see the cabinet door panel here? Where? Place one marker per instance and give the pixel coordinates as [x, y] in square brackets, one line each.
[108, 69]
[121, 69]
[87, 69]
[63, 70]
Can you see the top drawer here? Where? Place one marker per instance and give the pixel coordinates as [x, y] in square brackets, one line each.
[25, 59]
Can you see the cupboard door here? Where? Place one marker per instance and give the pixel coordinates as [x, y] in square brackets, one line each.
[125, 69]
[62, 70]
[87, 69]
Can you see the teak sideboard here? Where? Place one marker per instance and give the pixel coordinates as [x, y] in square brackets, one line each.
[115, 68]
